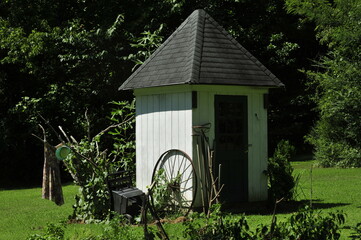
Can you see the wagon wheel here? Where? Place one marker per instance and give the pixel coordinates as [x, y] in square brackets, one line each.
[174, 184]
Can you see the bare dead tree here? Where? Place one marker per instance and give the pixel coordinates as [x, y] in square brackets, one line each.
[51, 184]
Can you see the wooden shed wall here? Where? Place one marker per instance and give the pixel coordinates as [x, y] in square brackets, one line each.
[257, 130]
[163, 122]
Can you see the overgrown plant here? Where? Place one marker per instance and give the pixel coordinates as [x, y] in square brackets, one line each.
[305, 224]
[310, 224]
[218, 225]
[118, 229]
[356, 233]
[123, 136]
[89, 165]
[166, 195]
[114, 229]
[281, 181]
[161, 194]
[145, 45]
[52, 232]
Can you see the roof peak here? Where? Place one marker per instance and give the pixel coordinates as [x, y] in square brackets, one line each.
[200, 51]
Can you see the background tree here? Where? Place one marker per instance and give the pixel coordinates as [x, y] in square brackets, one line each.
[337, 81]
[62, 58]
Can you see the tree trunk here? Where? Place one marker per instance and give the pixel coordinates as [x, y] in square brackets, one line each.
[51, 189]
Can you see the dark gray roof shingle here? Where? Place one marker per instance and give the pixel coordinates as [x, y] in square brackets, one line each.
[200, 51]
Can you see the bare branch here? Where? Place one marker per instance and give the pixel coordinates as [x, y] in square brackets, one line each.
[72, 148]
[86, 158]
[74, 140]
[114, 126]
[73, 175]
[51, 127]
[63, 132]
[217, 193]
[43, 140]
[87, 123]
[44, 133]
[97, 148]
[39, 138]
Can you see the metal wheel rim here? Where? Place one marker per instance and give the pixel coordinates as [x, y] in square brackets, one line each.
[181, 180]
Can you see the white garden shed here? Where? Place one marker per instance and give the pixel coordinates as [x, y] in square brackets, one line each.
[201, 75]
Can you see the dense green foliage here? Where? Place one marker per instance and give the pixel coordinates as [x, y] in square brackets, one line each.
[90, 165]
[52, 232]
[63, 58]
[115, 229]
[282, 183]
[337, 81]
[304, 224]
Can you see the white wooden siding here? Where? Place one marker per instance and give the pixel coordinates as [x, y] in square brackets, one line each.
[257, 162]
[257, 131]
[163, 122]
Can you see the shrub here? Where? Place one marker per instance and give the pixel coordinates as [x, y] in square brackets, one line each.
[118, 229]
[335, 154]
[305, 224]
[281, 181]
[309, 224]
[52, 232]
[114, 229]
[218, 226]
[90, 165]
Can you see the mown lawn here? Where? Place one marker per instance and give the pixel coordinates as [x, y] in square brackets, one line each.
[333, 189]
[23, 212]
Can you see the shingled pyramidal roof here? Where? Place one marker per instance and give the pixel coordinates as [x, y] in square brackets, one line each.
[200, 51]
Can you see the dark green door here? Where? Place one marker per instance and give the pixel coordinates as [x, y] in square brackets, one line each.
[231, 146]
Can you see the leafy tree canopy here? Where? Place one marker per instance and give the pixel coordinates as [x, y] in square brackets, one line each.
[337, 81]
[62, 58]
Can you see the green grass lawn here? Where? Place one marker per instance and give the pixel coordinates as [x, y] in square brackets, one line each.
[333, 189]
[23, 212]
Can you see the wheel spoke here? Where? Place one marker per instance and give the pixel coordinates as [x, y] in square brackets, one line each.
[186, 189]
[186, 168]
[186, 203]
[187, 179]
[177, 182]
[181, 164]
[172, 169]
[166, 175]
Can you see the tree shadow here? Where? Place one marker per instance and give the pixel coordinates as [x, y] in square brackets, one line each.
[316, 204]
[284, 207]
[29, 186]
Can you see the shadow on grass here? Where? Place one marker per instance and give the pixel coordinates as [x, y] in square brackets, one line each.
[28, 186]
[317, 204]
[266, 208]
